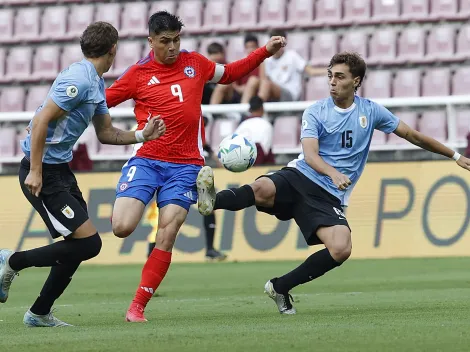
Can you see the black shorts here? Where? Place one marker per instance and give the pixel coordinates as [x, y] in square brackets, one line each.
[311, 206]
[60, 203]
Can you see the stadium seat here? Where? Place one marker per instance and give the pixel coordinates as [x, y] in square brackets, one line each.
[385, 11]
[463, 123]
[300, 42]
[164, 5]
[378, 138]
[110, 13]
[300, 13]
[235, 48]
[436, 82]
[463, 43]
[272, 13]
[328, 12]
[44, 1]
[70, 54]
[415, 10]
[189, 44]
[80, 16]
[317, 88]
[461, 81]
[109, 149]
[36, 96]
[20, 136]
[434, 124]
[378, 84]
[221, 128]
[286, 133]
[383, 47]
[54, 22]
[17, 2]
[27, 24]
[6, 25]
[408, 117]
[190, 12]
[2, 64]
[357, 11]
[324, 46]
[19, 64]
[89, 138]
[244, 15]
[441, 44]
[411, 45]
[354, 41]
[407, 83]
[444, 10]
[12, 99]
[128, 54]
[46, 62]
[216, 15]
[7, 141]
[464, 11]
[134, 19]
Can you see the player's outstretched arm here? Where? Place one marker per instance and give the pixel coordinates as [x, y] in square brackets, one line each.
[430, 144]
[108, 134]
[310, 148]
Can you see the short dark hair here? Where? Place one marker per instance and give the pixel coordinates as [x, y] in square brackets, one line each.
[215, 48]
[278, 33]
[357, 65]
[251, 38]
[162, 21]
[98, 39]
[256, 103]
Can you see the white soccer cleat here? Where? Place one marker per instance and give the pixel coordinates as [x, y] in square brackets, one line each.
[205, 191]
[282, 300]
[32, 320]
[7, 274]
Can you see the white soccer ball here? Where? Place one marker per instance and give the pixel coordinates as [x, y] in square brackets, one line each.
[237, 153]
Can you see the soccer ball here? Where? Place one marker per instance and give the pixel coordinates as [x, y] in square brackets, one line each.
[237, 153]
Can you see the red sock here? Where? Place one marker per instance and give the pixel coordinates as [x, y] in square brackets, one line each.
[152, 275]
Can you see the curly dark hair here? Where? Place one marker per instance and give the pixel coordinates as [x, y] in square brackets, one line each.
[357, 65]
[98, 39]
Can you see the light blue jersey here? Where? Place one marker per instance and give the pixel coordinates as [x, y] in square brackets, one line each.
[344, 137]
[79, 90]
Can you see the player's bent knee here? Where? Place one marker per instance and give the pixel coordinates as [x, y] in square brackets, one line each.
[340, 250]
[89, 247]
[264, 190]
[122, 229]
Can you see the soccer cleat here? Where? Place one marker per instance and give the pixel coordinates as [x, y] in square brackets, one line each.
[215, 255]
[32, 320]
[282, 300]
[205, 191]
[135, 313]
[7, 274]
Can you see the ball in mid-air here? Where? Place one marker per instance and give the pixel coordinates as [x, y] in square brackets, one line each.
[237, 153]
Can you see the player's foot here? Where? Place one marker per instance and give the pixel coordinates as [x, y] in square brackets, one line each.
[205, 191]
[32, 320]
[283, 301]
[215, 255]
[135, 313]
[7, 274]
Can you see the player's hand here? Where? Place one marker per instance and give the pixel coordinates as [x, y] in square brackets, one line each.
[464, 162]
[33, 182]
[154, 129]
[341, 181]
[275, 43]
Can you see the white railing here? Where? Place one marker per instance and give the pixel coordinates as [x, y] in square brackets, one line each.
[449, 102]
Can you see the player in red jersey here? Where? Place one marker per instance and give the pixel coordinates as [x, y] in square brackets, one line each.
[168, 83]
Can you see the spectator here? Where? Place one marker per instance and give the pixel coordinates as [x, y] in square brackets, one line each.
[259, 130]
[283, 74]
[216, 53]
[237, 91]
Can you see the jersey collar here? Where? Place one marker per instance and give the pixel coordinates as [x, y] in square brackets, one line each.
[344, 111]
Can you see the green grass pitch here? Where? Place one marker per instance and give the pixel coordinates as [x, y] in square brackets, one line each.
[365, 305]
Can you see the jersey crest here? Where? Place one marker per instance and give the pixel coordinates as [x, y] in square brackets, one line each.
[189, 71]
[363, 121]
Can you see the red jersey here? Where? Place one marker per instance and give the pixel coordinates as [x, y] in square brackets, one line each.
[174, 92]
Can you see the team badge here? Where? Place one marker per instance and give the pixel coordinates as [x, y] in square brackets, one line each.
[123, 186]
[68, 212]
[71, 91]
[363, 121]
[304, 125]
[189, 71]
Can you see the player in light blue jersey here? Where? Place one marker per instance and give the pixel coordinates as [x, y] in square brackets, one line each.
[314, 188]
[75, 99]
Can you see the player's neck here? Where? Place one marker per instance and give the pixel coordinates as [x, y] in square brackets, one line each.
[99, 66]
[344, 103]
